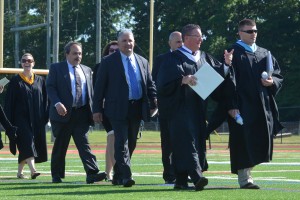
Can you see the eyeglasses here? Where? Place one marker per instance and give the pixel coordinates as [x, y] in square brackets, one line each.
[250, 31]
[112, 50]
[27, 60]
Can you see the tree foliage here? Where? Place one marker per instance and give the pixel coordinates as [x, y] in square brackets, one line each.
[278, 22]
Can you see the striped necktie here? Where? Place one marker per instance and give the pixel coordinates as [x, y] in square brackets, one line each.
[78, 96]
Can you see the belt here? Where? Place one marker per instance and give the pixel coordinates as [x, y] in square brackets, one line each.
[132, 101]
[78, 108]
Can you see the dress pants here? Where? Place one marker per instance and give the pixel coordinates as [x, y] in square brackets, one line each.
[126, 132]
[77, 127]
[244, 176]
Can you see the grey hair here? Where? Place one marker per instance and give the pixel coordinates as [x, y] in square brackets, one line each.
[123, 32]
[172, 35]
[71, 43]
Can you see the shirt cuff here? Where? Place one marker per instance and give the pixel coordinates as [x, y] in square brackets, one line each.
[56, 104]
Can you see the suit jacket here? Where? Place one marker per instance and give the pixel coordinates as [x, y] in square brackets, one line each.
[59, 89]
[112, 86]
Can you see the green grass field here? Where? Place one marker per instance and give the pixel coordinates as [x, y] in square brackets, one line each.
[279, 179]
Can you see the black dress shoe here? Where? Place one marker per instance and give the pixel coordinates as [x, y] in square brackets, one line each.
[182, 187]
[128, 182]
[170, 181]
[95, 177]
[117, 182]
[56, 180]
[201, 183]
[250, 186]
[35, 174]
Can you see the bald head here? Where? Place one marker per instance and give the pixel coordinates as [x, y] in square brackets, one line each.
[175, 40]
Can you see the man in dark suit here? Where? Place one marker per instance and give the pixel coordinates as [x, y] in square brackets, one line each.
[69, 87]
[175, 41]
[125, 82]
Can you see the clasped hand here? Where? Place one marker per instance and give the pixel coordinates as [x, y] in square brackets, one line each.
[267, 82]
[189, 80]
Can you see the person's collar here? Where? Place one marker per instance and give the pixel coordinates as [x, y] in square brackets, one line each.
[70, 65]
[189, 51]
[174, 49]
[124, 56]
[247, 47]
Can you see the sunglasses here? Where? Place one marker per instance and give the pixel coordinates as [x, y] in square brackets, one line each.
[27, 60]
[250, 31]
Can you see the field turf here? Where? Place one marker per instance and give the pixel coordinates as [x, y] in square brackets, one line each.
[279, 179]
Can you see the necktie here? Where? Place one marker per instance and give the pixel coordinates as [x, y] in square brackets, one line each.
[78, 96]
[133, 81]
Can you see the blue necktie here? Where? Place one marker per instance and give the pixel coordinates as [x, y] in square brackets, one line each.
[133, 81]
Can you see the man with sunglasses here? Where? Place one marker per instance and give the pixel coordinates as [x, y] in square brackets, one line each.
[253, 97]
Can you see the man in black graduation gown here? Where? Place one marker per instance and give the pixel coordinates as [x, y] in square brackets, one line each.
[254, 98]
[185, 109]
[175, 41]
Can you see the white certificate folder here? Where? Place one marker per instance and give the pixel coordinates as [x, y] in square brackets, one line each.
[4, 81]
[207, 80]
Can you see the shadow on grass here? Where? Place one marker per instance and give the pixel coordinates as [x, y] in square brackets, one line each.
[221, 188]
[80, 188]
[117, 190]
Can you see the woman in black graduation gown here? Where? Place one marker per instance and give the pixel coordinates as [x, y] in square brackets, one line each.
[26, 107]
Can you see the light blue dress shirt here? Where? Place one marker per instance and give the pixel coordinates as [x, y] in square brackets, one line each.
[136, 71]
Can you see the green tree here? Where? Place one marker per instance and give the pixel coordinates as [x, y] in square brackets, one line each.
[277, 21]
